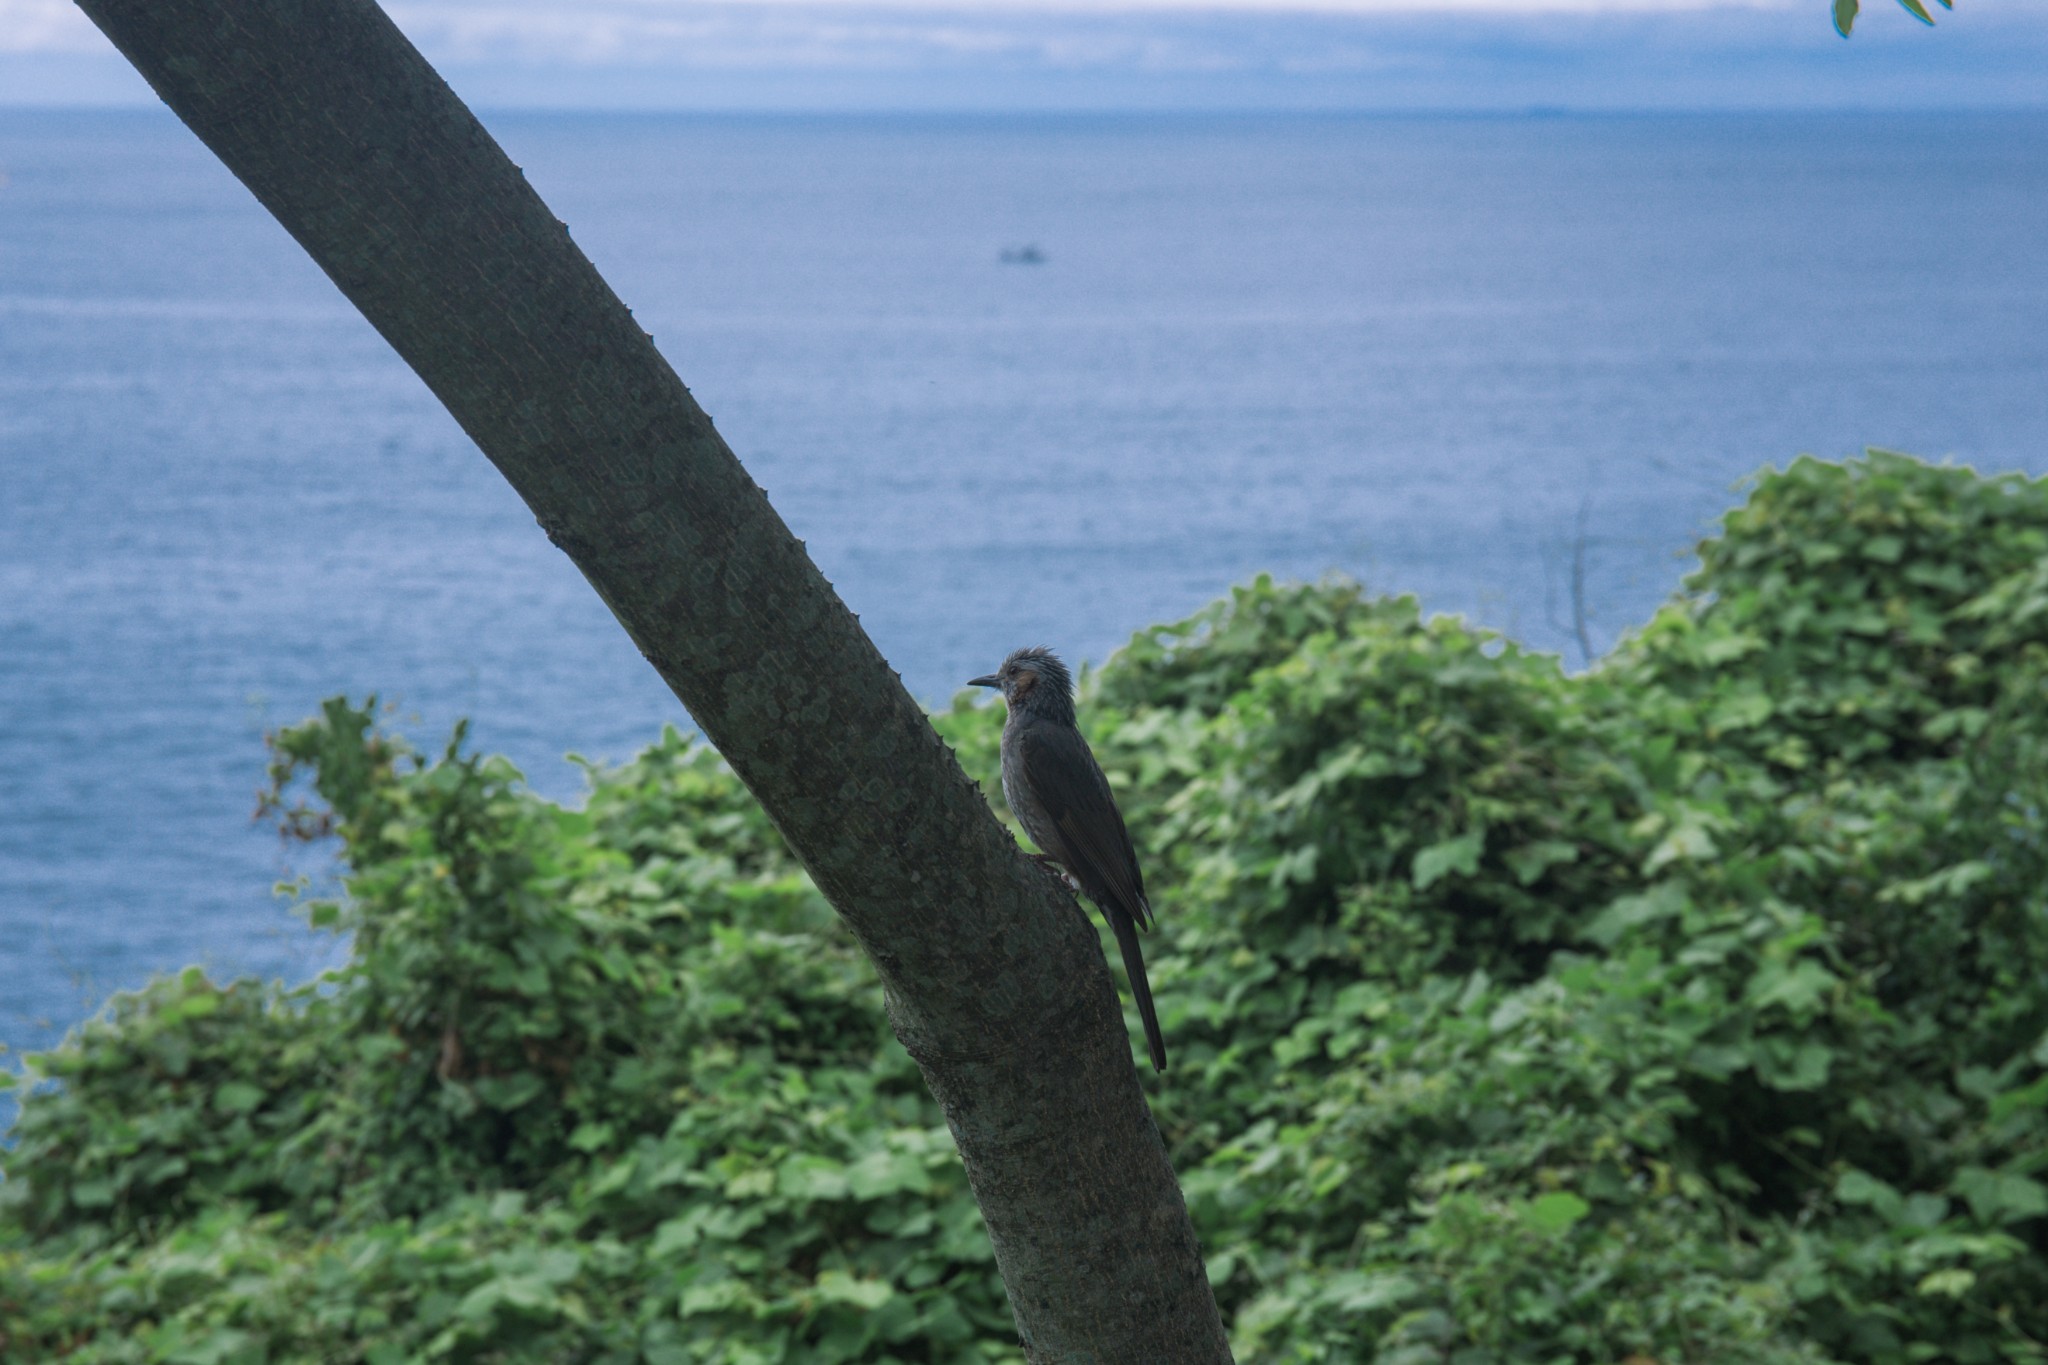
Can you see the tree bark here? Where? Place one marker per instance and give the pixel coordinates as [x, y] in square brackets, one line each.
[995, 984]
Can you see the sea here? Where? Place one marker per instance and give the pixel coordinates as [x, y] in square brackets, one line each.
[1016, 380]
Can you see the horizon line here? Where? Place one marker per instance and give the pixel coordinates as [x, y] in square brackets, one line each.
[1302, 111]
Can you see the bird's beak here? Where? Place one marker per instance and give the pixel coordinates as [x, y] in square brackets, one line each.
[985, 680]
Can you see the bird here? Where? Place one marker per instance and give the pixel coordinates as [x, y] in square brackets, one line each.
[1056, 788]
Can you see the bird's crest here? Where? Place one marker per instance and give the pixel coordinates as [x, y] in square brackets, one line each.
[1046, 664]
[1039, 681]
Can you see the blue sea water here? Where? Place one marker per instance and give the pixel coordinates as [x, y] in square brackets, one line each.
[1434, 353]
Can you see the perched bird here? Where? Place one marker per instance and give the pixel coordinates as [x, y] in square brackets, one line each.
[1057, 789]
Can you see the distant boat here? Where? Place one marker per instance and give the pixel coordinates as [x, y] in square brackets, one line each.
[1023, 255]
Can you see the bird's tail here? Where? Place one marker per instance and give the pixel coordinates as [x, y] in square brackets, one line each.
[1141, 991]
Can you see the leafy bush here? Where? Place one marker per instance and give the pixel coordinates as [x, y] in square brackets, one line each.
[602, 1084]
[1691, 1009]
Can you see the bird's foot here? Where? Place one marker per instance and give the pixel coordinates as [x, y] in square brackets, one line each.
[1054, 866]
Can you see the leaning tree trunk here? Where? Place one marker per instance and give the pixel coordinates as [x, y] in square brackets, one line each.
[995, 985]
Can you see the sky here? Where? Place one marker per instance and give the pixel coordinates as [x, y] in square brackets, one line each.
[1029, 55]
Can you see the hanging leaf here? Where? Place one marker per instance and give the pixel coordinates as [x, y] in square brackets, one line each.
[1845, 16]
[1918, 11]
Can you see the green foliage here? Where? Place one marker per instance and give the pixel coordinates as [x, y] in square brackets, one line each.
[1845, 12]
[1692, 1009]
[181, 1096]
[608, 1084]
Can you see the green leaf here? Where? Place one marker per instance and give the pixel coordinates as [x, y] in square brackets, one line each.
[677, 1234]
[509, 1092]
[836, 1286]
[805, 1178]
[1556, 1212]
[222, 1346]
[237, 1097]
[1858, 1187]
[1666, 900]
[1917, 10]
[591, 1137]
[2000, 1197]
[93, 1194]
[750, 1184]
[1845, 16]
[1800, 987]
[1922, 1211]
[1717, 1061]
[523, 1294]
[713, 1297]
[1745, 710]
[1354, 1291]
[1783, 1064]
[1529, 861]
[1952, 1283]
[1440, 860]
[1688, 842]
[887, 1172]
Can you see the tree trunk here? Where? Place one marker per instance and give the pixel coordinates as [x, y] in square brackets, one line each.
[995, 984]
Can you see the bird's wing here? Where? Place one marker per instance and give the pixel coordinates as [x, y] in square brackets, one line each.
[1064, 776]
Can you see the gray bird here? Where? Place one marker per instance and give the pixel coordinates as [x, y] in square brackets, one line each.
[1057, 789]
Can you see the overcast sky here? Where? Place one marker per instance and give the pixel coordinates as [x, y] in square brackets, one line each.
[1134, 54]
